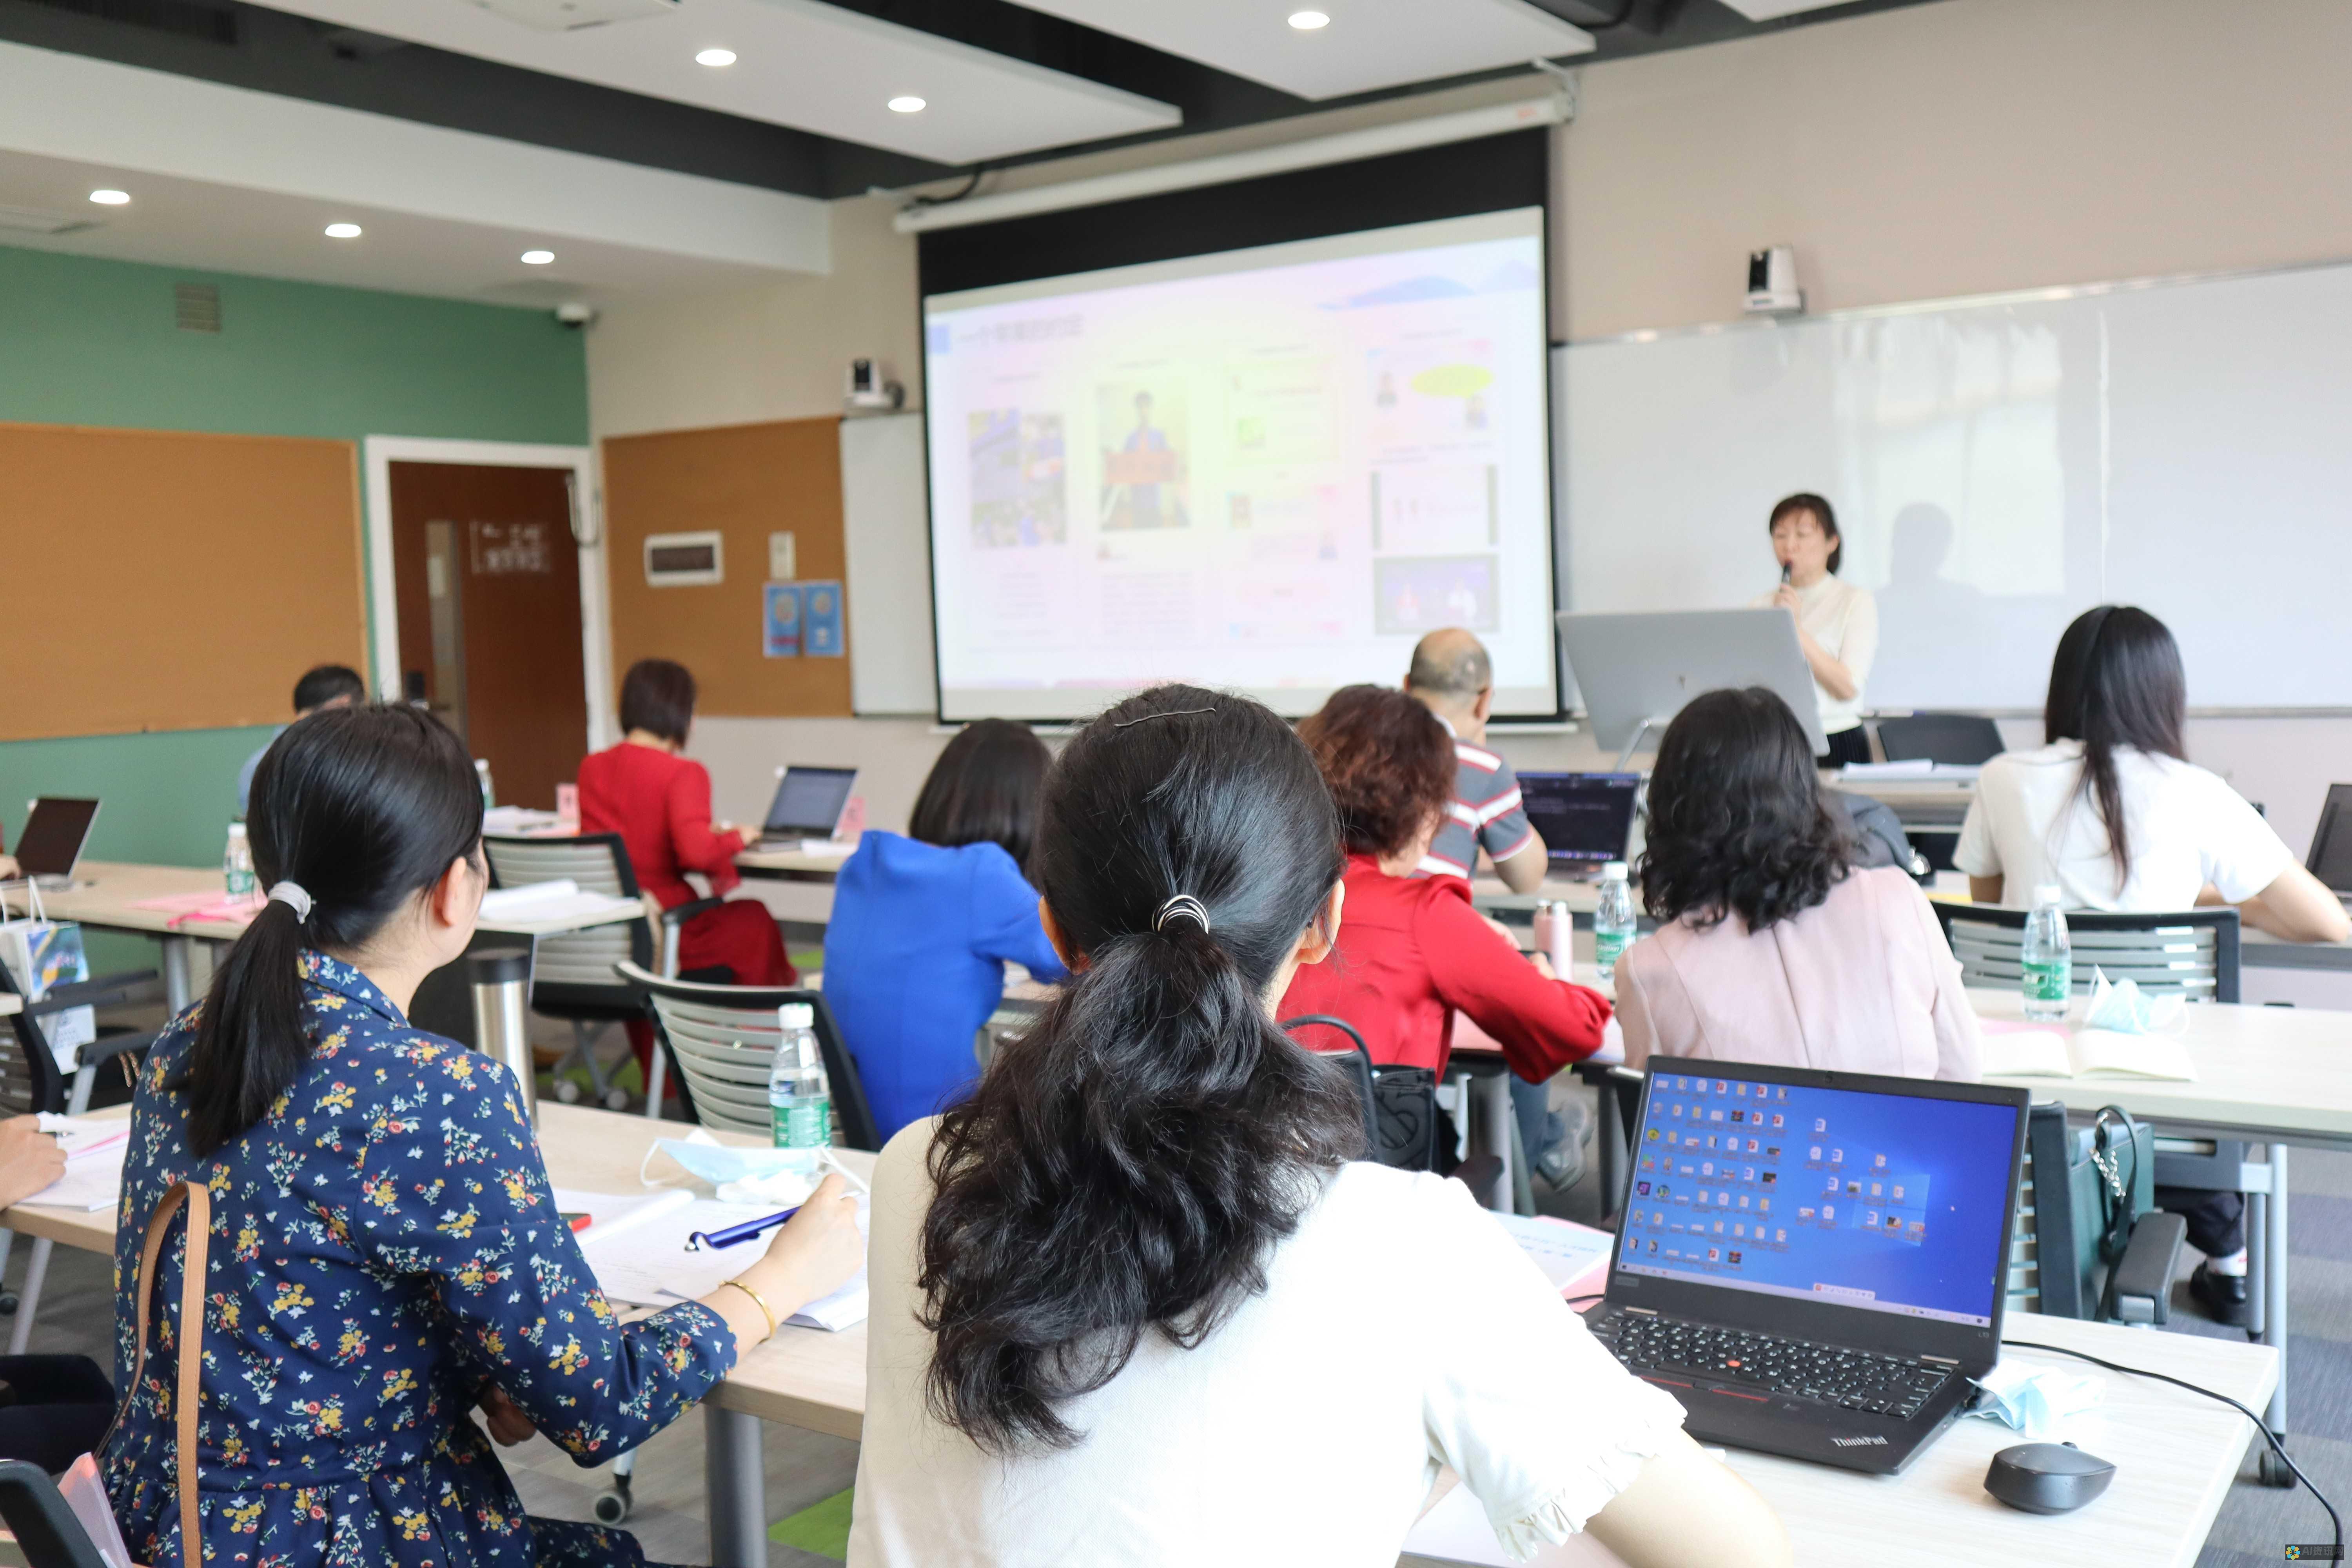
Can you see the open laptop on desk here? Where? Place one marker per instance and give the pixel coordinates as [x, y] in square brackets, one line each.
[2331, 844]
[51, 846]
[1814, 1263]
[809, 804]
[1586, 819]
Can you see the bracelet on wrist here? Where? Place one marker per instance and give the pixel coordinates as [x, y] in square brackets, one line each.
[759, 1302]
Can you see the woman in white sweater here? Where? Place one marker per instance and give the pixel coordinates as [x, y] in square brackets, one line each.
[1132, 1302]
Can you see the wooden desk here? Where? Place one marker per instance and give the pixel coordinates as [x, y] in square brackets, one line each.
[791, 865]
[2174, 1457]
[106, 894]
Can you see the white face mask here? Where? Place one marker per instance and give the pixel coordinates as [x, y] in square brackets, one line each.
[720, 1165]
[2122, 1006]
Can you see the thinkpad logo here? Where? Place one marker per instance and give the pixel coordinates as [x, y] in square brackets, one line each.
[1858, 1442]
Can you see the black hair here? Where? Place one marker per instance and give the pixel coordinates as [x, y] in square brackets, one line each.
[325, 684]
[1806, 500]
[984, 789]
[657, 697]
[1736, 820]
[363, 808]
[1125, 1167]
[2117, 681]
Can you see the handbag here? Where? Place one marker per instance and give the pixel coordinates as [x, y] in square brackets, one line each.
[41, 954]
[81, 1487]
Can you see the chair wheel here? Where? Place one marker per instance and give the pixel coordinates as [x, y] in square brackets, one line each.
[7, 1303]
[616, 1098]
[567, 1091]
[612, 1506]
[2272, 1472]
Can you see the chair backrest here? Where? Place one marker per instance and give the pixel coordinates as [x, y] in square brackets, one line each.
[2192, 953]
[573, 972]
[1356, 1060]
[1962, 740]
[724, 1039]
[29, 1077]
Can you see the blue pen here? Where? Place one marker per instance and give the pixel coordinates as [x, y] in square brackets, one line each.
[700, 1241]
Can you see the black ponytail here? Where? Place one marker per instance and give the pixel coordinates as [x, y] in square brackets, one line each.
[363, 808]
[1125, 1167]
[2117, 681]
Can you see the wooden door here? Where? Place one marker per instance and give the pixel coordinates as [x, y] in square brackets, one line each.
[487, 580]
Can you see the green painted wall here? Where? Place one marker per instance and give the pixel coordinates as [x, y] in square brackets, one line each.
[93, 343]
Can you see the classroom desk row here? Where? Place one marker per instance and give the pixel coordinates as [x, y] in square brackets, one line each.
[2176, 1454]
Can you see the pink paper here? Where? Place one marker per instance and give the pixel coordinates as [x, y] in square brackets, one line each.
[85, 1494]
[179, 902]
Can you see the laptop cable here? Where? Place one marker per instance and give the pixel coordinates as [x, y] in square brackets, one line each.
[2269, 1437]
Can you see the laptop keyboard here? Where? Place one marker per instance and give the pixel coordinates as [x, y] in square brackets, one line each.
[1798, 1369]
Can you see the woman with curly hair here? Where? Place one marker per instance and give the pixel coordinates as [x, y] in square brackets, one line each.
[1773, 945]
[1413, 952]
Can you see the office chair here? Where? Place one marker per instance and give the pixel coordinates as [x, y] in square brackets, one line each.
[31, 1081]
[2055, 1262]
[725, 1037]
[1961, 740]
[1400, 1106]
[572, 974]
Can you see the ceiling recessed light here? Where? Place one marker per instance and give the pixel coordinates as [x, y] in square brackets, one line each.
[110, 198]
[1308, 21]
[906, 103]
[538, 257]
[343, 231]
[715, 58]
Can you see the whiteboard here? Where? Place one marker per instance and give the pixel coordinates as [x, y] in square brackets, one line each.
[885, 530]
[1998, 466]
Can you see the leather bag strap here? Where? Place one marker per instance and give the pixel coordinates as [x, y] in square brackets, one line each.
[199, 1201]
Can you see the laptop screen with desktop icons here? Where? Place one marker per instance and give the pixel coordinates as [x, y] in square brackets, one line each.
[1888, 1202]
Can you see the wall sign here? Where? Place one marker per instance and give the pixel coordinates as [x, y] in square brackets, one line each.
[780, 620]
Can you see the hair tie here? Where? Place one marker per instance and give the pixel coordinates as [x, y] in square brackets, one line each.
[1182, 907]
[294, 896]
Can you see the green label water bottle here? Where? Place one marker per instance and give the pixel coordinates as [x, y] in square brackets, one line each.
[2046, 958]
[799, 1097]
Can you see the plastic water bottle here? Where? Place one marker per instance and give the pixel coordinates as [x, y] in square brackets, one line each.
[482, 772]
[237, 863]
[799, 1097]
[2048, 958]
[1612, 919]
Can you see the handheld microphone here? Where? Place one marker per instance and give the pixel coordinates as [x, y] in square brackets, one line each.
[1784, 576]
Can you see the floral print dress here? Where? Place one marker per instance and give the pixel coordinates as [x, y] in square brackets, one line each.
[383, 1245]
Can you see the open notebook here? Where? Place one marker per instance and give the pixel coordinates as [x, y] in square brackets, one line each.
[2047, 1050]
[636, 1245]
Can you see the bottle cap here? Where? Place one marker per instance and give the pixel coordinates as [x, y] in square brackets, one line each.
[1614, 871]
[2048, 893]
[797, 1015]
[237, 830]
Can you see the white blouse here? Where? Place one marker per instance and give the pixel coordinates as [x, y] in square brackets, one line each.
[2032, 824]
[1843, 620]
[1400, 1328]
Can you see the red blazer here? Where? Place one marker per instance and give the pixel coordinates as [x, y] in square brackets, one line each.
[1413, 952]
[660, 805]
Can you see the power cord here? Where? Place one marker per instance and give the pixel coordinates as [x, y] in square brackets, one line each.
[2268, 1435]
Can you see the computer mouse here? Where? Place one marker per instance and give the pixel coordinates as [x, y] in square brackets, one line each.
[2047, 1477]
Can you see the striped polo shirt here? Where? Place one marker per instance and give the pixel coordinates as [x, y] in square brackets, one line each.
[1486, 814]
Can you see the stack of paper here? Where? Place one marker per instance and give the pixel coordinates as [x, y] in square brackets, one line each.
[637, 1247]
[559, 900]
[94, 1150]
[1570, 1255]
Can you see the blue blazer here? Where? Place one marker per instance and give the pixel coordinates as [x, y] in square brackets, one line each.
[914, 964]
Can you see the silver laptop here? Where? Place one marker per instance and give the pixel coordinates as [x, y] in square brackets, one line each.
[51, 846]
[809, 804]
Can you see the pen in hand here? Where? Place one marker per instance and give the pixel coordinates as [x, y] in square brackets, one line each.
[730, 1235]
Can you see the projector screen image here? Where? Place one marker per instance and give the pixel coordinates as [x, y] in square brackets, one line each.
[1270, 469]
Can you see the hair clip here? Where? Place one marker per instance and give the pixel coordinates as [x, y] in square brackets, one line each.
[1182, 907]
[1170, 714]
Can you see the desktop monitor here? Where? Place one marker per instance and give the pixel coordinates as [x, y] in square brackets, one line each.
[2331, 845]
[1585, 820]
[53, 835]
[809, 802]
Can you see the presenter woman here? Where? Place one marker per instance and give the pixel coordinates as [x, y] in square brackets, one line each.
[1837, 622]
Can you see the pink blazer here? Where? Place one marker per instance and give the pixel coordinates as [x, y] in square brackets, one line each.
[1863, 982]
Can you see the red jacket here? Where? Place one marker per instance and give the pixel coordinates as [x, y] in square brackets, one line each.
[660, 805]
[1413, 952]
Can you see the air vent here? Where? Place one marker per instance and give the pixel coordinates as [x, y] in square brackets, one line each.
[31, 220]
[196, 307]
[571, 16]
[213, 23]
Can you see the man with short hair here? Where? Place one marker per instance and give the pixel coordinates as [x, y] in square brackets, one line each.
[1454, 678]
[327, 686]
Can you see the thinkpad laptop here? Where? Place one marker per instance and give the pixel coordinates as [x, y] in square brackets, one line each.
[1586, 819]
[1814, 1263]
[51, 846]
[2331, 845]
[809, 805]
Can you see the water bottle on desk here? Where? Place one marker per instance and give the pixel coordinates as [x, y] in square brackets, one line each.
[237, 863]
[799, 1097]
[482, 773]
[1613, 924]
[2047, 959]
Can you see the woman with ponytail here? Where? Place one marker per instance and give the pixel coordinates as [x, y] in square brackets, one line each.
[384, 1253]
[1137, 1300]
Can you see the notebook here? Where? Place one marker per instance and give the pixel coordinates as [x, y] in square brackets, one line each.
[2043, 1050]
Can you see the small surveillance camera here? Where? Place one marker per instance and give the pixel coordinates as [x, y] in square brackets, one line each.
[575, 315]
